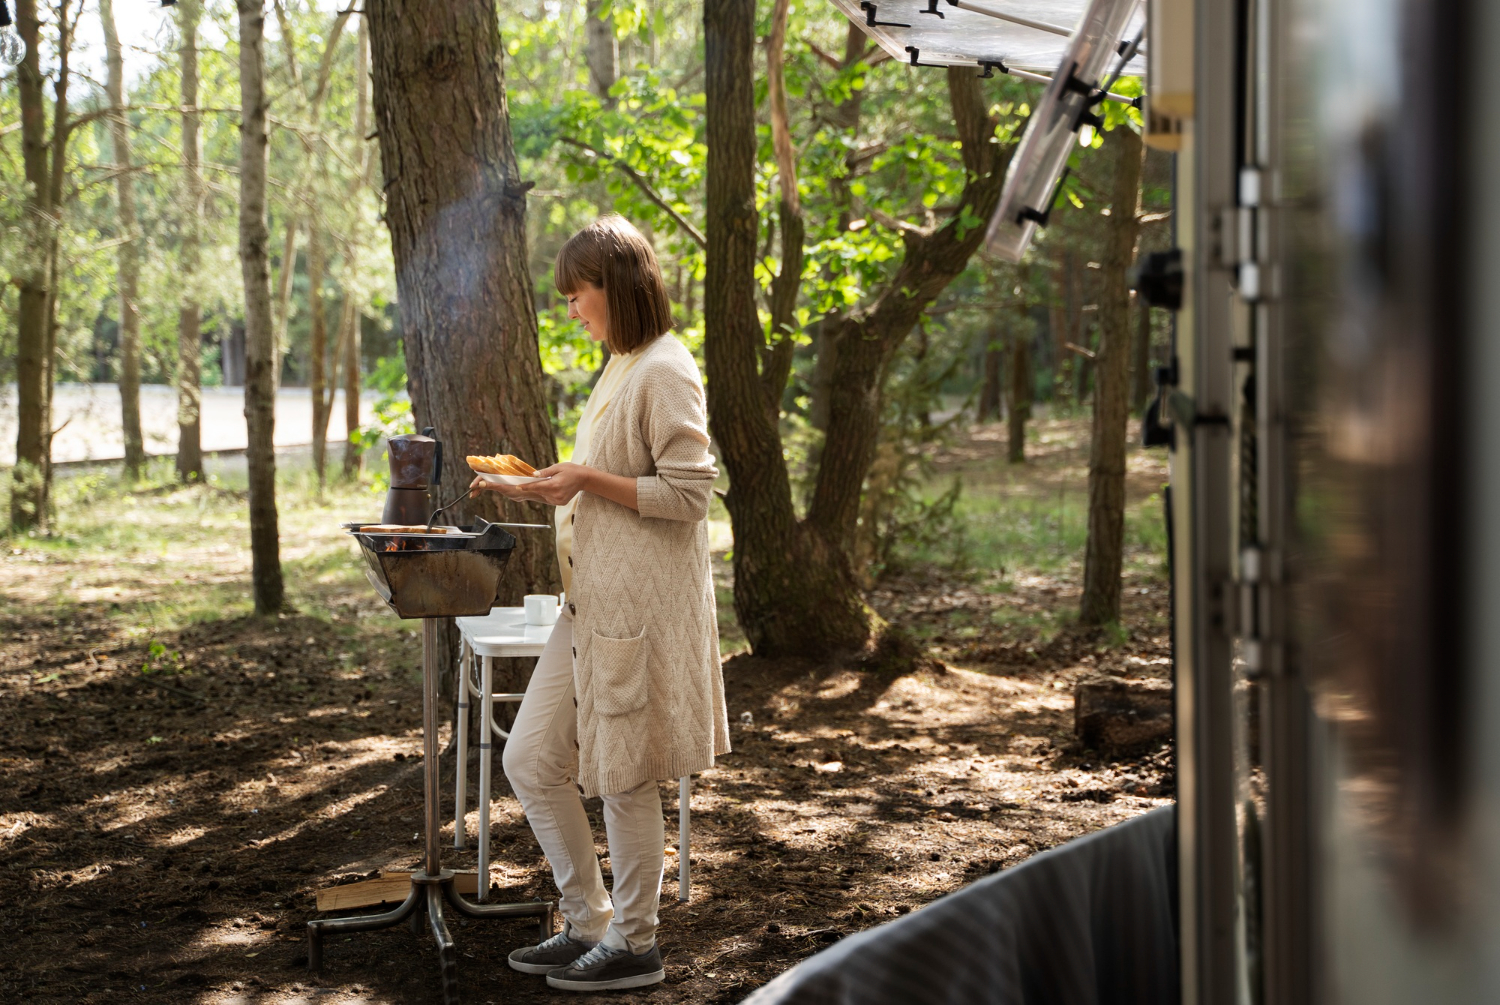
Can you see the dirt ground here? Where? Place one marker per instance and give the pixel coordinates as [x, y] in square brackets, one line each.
[173, 795]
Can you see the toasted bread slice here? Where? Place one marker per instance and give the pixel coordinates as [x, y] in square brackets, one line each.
[501, 464]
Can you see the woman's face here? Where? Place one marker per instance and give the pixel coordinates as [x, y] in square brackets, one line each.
[588, 306]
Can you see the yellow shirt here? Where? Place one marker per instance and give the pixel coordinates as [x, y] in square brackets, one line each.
[610, 381]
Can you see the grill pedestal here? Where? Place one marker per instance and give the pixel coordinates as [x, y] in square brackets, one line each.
[432, 888]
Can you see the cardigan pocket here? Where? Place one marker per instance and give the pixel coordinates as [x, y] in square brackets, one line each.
[619, 673]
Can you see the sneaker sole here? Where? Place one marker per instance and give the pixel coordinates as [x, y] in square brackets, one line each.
[532, 968]
[633, 981]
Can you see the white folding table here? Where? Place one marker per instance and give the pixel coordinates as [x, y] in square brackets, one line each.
[504, 634]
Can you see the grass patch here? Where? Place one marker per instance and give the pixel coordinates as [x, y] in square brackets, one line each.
[1031, 520]
[163, 556]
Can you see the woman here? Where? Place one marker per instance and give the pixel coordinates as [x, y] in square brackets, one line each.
[628, 690]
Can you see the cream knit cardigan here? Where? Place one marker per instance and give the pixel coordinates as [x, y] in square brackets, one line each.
[646, 638]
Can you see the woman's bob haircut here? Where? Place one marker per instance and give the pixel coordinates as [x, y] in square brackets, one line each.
[611, 254]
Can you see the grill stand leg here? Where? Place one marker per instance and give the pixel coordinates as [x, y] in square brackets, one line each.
[433, 886]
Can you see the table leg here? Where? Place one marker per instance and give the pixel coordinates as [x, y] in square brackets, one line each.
[684, 835]
[487, 739]
[460, 796]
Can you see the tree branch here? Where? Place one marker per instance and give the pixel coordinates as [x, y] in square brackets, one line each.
[832, 61]
[776, 357]
[645, 187]
[1080, 350]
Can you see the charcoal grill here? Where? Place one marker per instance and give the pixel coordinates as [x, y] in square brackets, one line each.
[431, 576]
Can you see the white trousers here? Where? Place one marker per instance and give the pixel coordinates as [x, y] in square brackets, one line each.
[541, 761]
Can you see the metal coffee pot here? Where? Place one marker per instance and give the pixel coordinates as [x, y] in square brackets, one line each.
[416, 466]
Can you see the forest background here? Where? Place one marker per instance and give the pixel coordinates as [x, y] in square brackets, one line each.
[136, 249]
[935, 520]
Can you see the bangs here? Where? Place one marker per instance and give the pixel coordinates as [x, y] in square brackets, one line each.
[575, 267]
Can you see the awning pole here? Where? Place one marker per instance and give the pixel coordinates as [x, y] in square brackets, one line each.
[1041, 78]
[1025, 22]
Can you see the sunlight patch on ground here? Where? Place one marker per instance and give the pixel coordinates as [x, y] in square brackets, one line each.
[14, 825]
[182, 836]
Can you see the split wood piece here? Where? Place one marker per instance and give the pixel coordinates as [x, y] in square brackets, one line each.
[390, 888]
[1115, 715]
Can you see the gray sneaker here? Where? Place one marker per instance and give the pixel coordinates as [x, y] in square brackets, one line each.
[558, 951]
[606, 968]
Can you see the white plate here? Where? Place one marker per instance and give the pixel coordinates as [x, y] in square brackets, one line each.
[507, 479]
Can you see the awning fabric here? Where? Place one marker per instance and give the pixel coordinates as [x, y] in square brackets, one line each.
[942, 33]
[964, 36]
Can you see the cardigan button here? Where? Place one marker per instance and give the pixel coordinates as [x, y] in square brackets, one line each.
[570, 561]
[572, 607]
[575, 652]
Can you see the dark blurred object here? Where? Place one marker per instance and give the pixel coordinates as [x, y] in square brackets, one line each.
[1157, 277]
[416, 466]
[1117, 716]
[1093, 922]
[1154, 431]
[1381, 392]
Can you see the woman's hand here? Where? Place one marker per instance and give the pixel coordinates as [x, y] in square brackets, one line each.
[561, 482]
[520, 493]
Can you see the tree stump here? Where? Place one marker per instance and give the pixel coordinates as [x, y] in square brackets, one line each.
[1117, 716]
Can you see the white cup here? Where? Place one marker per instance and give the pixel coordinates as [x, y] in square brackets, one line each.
[541, 609]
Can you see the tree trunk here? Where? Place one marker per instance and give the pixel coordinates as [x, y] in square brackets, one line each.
[991, 387]
[62, 129]
[845, 115]
[128, 254]
[318, 353]
[456, 209]
[189, 314]
[792, 591]
[1105, 552]
[869, 338]
[282, 309]
[349, 351]
[821, 384]
[1141, 391]
[352, 452]
[776, 362]
[262, 360]
[603, 51]
[28, 500]
[794, 588]
[1019, 394]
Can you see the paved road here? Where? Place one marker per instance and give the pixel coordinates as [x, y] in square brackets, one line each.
[89, 417]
